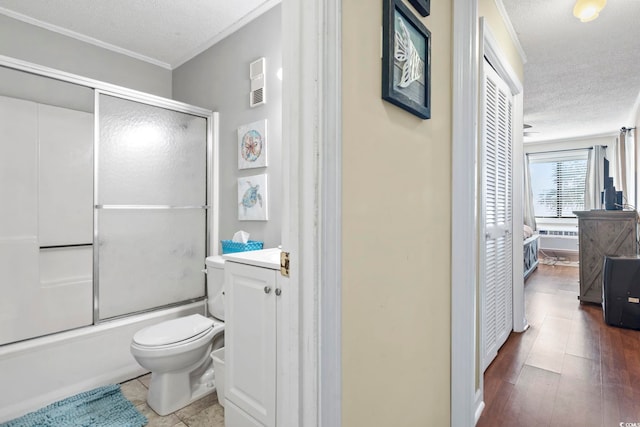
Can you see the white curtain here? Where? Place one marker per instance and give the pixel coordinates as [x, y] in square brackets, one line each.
[632, 171]
[623, 166]
[528, 211]
[595, 178]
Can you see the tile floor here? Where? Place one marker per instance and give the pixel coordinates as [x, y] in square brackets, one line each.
[204, 412]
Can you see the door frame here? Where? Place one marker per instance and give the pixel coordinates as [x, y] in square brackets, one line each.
[490, 49]
[311, 366]
[464, 241]
[466, 382]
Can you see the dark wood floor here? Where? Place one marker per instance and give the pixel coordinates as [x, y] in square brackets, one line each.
[569, 368]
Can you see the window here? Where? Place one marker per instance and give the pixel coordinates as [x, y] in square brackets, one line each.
[558, 183]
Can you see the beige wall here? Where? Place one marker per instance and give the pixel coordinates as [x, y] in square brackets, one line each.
[396, 234]
[489, 10]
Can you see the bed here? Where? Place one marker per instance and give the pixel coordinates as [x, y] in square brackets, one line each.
[530, 251]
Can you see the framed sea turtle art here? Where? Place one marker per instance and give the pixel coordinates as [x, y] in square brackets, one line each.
[406, 59]
[253, 198]
[252, 145]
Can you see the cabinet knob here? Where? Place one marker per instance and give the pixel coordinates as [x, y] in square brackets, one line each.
[267, 289]
[278, 291]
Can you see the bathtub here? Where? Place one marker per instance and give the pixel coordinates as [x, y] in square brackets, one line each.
[40, 371]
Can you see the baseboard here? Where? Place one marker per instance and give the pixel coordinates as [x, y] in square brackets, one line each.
[561, 254]
[479, 405]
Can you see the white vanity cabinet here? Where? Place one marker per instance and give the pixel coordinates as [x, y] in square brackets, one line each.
[251, 300]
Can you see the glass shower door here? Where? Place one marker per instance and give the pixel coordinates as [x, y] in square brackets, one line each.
[150, 206]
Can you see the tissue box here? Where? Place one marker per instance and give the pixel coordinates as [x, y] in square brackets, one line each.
[229, 246]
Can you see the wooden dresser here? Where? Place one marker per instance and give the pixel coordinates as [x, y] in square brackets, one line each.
[601, 233]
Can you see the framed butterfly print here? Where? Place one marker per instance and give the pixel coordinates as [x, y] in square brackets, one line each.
[406, 60]
[252, 145]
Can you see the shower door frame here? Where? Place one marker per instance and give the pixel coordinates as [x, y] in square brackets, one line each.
[212, 150]
[169, 105]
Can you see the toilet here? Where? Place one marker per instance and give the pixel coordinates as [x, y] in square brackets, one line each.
[177, 351]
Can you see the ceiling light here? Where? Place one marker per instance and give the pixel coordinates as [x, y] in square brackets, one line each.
[588, 10]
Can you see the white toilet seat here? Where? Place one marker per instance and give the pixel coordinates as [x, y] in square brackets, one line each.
[185, 333]
[174, 344]
[173, 331]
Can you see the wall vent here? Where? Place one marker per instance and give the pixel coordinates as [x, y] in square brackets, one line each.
[558, 240]
[256, 74]
[557, 233]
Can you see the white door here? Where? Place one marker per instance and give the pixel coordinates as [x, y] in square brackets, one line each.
[496, 283]
[250, 341]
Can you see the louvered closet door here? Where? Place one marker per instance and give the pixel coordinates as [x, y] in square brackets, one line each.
[496, 282]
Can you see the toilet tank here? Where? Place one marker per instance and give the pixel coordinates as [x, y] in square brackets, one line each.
[215, 286]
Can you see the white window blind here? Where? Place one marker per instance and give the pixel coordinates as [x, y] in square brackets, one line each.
[558, 183]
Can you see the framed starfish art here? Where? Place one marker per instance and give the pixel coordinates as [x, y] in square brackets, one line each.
[252, 145]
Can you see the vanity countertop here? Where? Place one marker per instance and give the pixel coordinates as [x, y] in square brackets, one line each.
[266, 258]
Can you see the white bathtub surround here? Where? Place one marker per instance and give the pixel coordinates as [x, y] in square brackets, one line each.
[47, 369]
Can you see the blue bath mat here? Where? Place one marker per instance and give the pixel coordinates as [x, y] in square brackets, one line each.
[102, 407]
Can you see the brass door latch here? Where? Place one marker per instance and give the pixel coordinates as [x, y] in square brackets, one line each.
[284, 263]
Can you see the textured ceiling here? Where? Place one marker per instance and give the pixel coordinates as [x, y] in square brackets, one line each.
[580, 79]
[164, 32]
